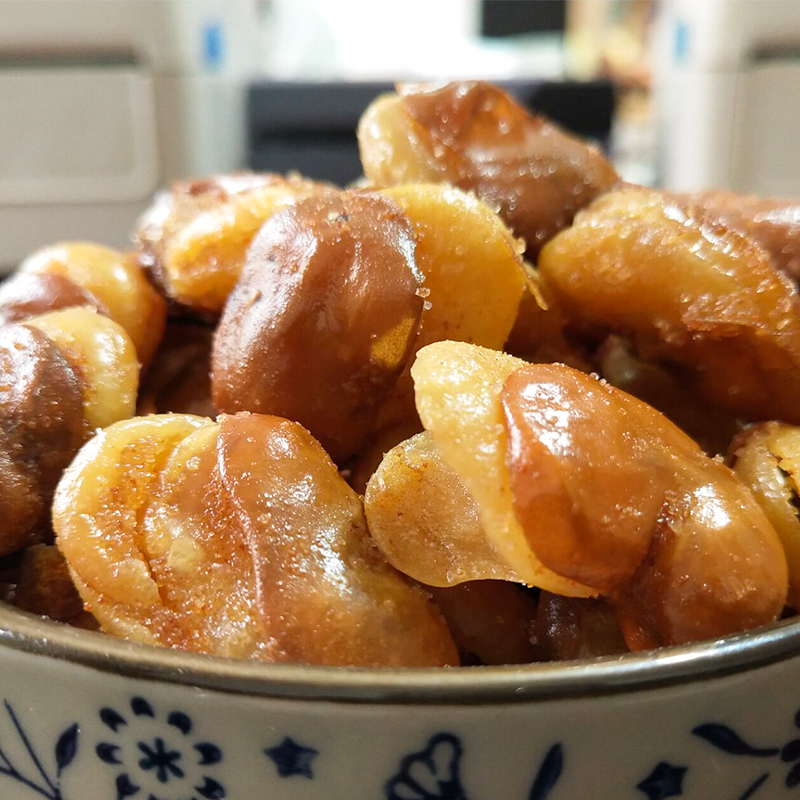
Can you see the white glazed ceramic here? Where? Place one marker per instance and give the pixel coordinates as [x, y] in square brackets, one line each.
[87, 717]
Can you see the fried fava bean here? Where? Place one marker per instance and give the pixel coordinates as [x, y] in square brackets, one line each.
[102, 355]
[41, 428]
[323, 319]
[680, 546]
[474, 136]
[44, 585]
[26, 295]
[586, 489]
[179, 379]
[195, 237]
[425, 522]
[685, 289]
[567, 628]
[457, 388]
[767, 460]
[774, 222]
[111, 282]
[462, 247]
[711, 427]
[96, 515]
[191, 534]
[326, 594]
[491, 621]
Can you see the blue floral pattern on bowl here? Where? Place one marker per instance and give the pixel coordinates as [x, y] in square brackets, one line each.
[164, 753]
[156, 756]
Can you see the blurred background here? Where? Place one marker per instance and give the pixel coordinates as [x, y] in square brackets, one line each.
[104, 101]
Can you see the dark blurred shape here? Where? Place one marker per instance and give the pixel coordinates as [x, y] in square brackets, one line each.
[501, 18]
[310, 127]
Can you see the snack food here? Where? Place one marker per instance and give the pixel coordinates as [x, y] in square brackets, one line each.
[62, 375]
[515, 506]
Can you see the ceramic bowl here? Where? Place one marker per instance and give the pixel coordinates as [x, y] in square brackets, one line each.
[88, 717]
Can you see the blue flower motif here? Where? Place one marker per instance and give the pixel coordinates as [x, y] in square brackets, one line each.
[158, 756]
[161, 760]
[430, 774]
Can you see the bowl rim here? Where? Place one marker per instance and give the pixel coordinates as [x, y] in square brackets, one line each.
[668, 666]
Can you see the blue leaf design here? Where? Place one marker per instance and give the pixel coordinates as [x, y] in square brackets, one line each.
[723, 738]
[211, 790]
[113, 719]
[548, 774]
[141, 707]
[791, 751]
[209, 753]
[66, 748]
[125, 787]
[107, 752]
[793, 778]
[180, 721]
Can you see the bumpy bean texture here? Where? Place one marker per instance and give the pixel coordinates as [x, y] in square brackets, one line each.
[61, 375]
[41, 428]
[773, 222]
[323, 319]
[709, 562]
[86, 274]
[103, 355]
[236, 538]
[474, 136]
[767, 460]
[425, 522]
[601, 490]
[685, 289]
[462, 249]
[457, 388]
[195, 237]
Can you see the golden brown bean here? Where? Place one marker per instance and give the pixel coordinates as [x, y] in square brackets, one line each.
[322, 321]
[766, 458]
[114, 282]
[41, 428]
[103, 356]
[325, 593]
[195, 237]
[235, 538]
[586, 489]
[602, 490]
[610, 493]
[425, 522]
[685, 289]
[774, 222]
[474, 136]
[25, 295]
[457, 388]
